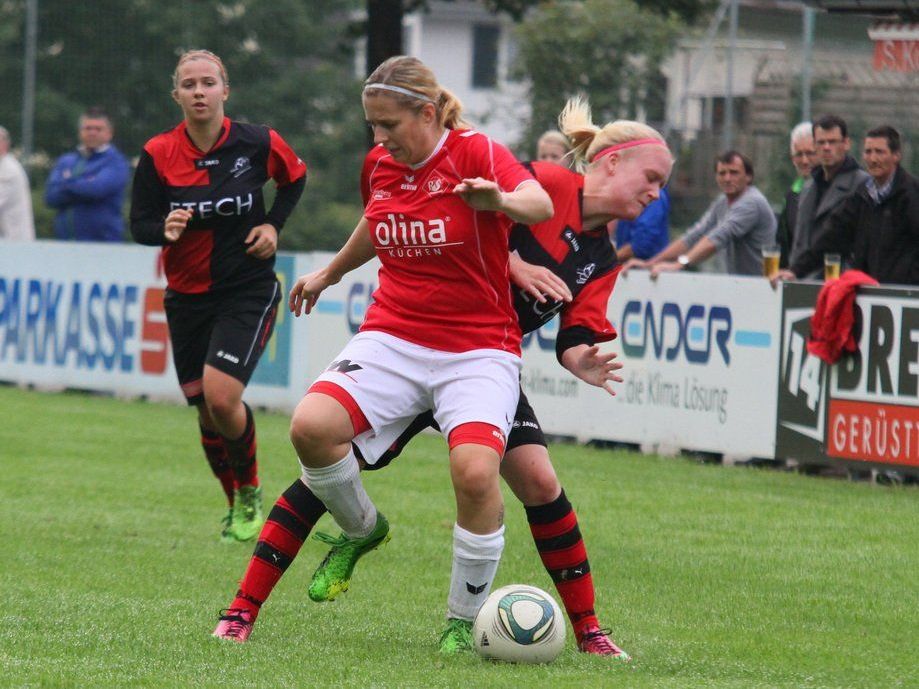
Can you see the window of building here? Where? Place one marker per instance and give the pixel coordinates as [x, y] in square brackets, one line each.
[485, 55]
[740, 112]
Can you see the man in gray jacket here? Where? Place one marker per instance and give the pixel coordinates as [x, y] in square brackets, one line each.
[740, 222]
[837, 178]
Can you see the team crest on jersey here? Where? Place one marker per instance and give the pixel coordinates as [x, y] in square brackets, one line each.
[241, 165]
[435, 185]
[380, 195]
[585, 273]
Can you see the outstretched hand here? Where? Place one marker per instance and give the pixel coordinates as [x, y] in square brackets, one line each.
[479, 193]
[306, 290]
[594, 367]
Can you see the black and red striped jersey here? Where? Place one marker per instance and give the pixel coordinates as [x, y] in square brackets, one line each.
[223, 189]
[584, 259]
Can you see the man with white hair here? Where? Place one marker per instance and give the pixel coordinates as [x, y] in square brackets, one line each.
[804, 158]
[16, 220]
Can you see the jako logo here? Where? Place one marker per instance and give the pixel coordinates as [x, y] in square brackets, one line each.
[671, 331]
[399, 232]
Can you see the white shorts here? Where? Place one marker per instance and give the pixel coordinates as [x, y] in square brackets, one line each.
[392, 381]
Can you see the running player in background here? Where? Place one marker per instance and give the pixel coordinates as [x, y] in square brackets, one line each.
[436, 194]
[564, 265]
[198, 192]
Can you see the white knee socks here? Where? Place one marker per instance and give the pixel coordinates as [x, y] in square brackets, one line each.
[475, 563]
[340, 488]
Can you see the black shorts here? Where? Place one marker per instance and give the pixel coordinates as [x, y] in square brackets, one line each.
[227, 330]
[524, 431]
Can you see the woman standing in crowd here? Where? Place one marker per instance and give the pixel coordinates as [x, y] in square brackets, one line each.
[627, 162]
[198, 192]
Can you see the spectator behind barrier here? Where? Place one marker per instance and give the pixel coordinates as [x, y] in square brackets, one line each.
[837, 178]
[804, 158]
[646, 235]
[739, 222]
[87, 185]
[878, 224]
[16, 221]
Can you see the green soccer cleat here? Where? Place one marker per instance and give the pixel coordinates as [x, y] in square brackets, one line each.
[247, 513]
[457, 637]
[226, 524]
[333, 576]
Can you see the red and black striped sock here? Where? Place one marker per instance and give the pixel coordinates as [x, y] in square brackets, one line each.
[558, 540]
[288, 525]
[241, 453]
[216, 453]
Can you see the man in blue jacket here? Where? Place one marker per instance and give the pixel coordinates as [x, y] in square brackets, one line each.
[648, 234]
[87, 185]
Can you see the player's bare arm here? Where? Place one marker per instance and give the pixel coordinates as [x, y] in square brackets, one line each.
[355, 253]
[529, 203]
[538, 281]
[594, 367]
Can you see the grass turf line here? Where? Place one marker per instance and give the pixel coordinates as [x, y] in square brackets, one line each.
[709, 576]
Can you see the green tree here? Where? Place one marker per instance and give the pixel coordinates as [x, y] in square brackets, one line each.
[609, 49]
[290, 64]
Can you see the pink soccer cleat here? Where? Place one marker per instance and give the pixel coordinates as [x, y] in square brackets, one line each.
[597, 642]
[235, 625]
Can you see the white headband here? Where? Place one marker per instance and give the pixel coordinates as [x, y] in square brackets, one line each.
[399, 89]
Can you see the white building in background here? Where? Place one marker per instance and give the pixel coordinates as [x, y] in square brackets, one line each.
[470, 50]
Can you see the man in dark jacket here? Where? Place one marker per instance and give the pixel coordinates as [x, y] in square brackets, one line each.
[879, 223]
[833, 182]
[804, 158]
[87, 185]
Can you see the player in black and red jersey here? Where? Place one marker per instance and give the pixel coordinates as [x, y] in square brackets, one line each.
[198, 192]
[564, 265]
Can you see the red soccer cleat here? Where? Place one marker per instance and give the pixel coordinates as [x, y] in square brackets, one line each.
[235, 625]
[597, 642]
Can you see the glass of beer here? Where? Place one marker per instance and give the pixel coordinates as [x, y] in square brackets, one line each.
[831, 266]
[771, 255]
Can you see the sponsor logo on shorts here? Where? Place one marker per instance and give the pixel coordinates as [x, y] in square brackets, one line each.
[344, 366]
[498, 434]
[525, 424]
[229, 357]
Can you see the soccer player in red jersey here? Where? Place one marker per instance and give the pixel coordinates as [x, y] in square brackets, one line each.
[441, 333]
[198, 193]
[564, 265]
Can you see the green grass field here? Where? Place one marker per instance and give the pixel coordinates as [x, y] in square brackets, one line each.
[113, 574]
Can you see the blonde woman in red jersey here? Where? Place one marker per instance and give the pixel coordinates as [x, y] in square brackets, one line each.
[441, 333]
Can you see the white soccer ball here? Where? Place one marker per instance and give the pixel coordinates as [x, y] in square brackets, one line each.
[519, 624]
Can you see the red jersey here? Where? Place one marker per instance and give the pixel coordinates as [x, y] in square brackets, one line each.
[444, 280]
